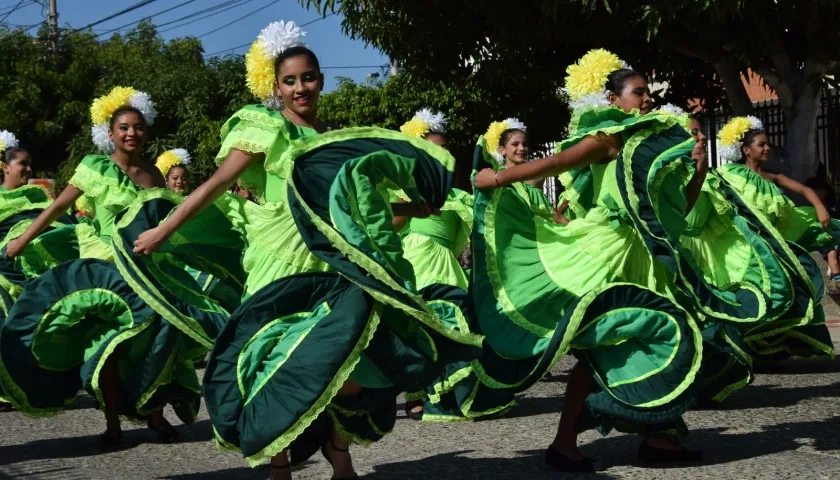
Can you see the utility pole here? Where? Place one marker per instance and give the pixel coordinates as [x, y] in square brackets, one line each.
[53, 26]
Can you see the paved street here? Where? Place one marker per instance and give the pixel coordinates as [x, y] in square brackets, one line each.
[782, 426]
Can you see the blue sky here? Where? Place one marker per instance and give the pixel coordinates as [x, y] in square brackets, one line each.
[323, 36]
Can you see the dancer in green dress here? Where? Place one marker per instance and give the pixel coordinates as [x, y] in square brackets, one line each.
[791, 231]
[612, 287]
[111, 342]
[173, 165]
[332, 328]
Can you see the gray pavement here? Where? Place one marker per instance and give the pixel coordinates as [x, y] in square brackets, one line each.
[782, 426]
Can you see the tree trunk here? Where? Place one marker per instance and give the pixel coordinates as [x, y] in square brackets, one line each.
[736, 92]
[800, 150]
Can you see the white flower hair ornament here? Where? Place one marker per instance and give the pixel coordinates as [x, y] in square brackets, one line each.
[272, 41]
[103, 109]
[672, 109]
[731, 136]
[424, 122]
[7, 140]
[586, 78]
[494, 134]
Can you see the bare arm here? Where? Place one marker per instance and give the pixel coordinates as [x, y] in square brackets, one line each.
[58, 207]
[232, 168]
[586, 152]
[808, 193]
[222, 179]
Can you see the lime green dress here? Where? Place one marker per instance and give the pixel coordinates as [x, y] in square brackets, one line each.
[18, 209]
[75, 316]
[791, 233]
[612, 287]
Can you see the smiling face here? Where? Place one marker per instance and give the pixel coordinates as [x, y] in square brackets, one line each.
[634, 94]
[515, 148]
[17, 170]
[299, 84]
[176, 180]
[128, 132]
[756, 147]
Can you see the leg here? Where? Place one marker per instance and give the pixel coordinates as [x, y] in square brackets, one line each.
[280, 468]
[108, 379]
[336, 450]
[578, 388]
[833, 262]
[159, 424]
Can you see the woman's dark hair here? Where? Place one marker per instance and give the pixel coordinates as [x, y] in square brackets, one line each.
[505, 136]
[748, 140]
[296, 52]
[618, 79]
[11, 153]
[122, 110]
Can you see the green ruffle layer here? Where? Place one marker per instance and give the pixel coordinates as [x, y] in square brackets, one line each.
[378, 329]
[69, 322]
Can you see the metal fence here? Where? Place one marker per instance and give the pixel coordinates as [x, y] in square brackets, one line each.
[772, 115]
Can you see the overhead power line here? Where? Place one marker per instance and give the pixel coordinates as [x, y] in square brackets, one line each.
[224, 6]
[150, 16]
[200, 18]
[115, 15]
[14, 9]
[249, 43]
[238, 19]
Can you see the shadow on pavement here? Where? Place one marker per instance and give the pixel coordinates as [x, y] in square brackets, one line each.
[455, 466]
[88, 446]
[720, 447]
[242, 473]
[764, 396]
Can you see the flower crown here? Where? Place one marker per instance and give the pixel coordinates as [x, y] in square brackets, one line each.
[494, 133]
[103, 109]
[586, 78]
[731, 135]
[273, 40]
[172, 158]
[424, 122]
[7, 140]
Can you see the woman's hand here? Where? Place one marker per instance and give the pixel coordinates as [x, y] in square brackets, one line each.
[823, 217]
[485, 179]
[15, 247]
[700, 157]
[149, 241]
[560, 217]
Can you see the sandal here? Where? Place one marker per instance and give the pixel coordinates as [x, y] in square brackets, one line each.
[560, 462]
[339, 450]
[166, 432]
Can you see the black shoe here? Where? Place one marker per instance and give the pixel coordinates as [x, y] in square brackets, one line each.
[558, 461]
[325, 453]
[649, 455]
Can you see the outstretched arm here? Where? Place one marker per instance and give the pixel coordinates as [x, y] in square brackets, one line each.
[60, 206]
[789, 184]
[232, 168]
[586, 152]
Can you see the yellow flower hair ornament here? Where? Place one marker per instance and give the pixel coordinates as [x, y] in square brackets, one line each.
[7, 141]
[172, 158]
[273, 40]
[103, 109]
[424, 122]
[494, 134]
[731, 135]
[586, 79]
